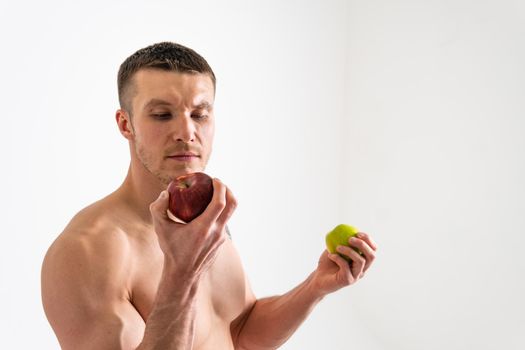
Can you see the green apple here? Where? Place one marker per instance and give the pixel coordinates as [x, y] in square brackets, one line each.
[340, 236]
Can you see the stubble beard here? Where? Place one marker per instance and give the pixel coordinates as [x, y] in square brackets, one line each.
[147, 160]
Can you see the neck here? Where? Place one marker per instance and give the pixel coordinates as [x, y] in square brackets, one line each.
[139, 190]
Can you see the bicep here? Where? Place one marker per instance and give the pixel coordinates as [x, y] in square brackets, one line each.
[84, 301]
[117, 327]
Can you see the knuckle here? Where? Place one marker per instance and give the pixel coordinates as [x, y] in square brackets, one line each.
[218, 241]
[221, 202]
[364, 235]
[152, 207]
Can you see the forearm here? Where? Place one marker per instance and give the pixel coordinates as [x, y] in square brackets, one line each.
[273, 320]
[171, 323]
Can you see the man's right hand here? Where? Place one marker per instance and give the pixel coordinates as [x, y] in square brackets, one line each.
[191, 248]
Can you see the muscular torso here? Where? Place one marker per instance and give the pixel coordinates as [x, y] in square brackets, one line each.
[222, 294]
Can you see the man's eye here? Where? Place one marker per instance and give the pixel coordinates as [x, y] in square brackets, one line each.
[161, 116]
[199, 116]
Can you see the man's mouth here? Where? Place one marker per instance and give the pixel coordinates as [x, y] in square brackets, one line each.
[184, 156]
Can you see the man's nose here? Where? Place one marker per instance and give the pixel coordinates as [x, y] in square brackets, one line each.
[184, 129]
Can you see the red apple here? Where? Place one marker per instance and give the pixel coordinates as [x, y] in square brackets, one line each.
[190, 195]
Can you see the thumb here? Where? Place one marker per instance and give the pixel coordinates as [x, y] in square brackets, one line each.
[160, 206]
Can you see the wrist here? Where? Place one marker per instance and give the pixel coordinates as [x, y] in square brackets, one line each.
[312, 287]
[179, 280]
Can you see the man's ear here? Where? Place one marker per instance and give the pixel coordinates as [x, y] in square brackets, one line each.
[124, 124]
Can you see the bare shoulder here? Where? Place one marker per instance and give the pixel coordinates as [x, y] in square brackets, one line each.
[85, 275]
[92, 237]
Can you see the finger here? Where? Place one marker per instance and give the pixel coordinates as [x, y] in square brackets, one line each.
[366, 237]
[358, 262]
[366, 251]
[343, 267]
[159, 207]
[342, 263]
[231, 205]
[217, 203]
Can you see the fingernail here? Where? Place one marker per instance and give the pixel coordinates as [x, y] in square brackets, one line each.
[163, 194]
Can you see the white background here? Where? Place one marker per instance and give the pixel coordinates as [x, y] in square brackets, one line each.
[404, 118]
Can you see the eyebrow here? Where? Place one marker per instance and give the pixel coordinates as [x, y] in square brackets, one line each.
[158, 102]
[204, 105]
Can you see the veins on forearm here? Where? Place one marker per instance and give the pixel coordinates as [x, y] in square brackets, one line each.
[273, 320]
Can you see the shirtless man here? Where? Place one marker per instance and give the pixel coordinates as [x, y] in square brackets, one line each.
[123, 275]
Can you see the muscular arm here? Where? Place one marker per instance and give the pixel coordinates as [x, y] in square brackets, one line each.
[270, 322]
[86, 299]
[86, 285]
[267, 323]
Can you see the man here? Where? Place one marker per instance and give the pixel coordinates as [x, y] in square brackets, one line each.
[123, 275]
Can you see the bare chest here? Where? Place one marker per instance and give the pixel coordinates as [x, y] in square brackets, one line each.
[221, 295]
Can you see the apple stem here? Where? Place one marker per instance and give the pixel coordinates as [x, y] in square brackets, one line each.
[183, 185]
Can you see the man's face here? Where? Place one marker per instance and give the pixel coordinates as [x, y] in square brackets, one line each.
[172, 122]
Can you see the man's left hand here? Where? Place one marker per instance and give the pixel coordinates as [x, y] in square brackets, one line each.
[334, 272]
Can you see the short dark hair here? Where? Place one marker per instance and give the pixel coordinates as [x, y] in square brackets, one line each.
[167, 56]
